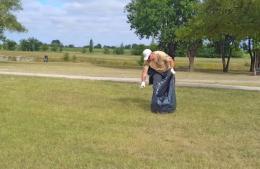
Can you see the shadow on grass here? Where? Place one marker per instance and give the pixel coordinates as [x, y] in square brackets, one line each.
[143, 104]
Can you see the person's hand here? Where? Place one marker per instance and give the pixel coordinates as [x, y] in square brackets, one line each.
[142, 84]
[173, 71]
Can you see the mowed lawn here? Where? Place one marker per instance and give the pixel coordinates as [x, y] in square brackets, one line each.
[67, 124]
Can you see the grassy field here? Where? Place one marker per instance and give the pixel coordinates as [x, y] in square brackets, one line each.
[88, 69]
[55, 123]
[130, 61]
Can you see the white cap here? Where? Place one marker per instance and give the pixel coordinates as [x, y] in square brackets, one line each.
[147, 53]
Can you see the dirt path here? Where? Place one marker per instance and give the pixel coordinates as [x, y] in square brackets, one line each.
[181, 83]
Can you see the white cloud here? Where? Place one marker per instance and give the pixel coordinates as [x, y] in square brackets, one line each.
[76, 21]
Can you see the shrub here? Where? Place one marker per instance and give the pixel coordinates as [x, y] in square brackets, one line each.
[84, 50]
[137, 49]
[106, 51]
[141, 61]
[74, 58]
[238, 53]
[66, 57]
[119, 51]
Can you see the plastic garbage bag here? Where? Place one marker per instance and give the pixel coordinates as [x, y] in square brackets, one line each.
[164, 96]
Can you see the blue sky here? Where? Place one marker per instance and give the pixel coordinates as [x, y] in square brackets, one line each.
[76, 22]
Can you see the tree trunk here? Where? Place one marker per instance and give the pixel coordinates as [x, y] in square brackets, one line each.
[191, 53]
[222, 51]
[228, 60]
[252, 55]
[226, 51]
[191, 63]
[171, 49]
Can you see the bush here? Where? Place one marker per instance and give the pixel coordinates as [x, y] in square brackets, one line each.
[238, 53]
[44, 47]
[74, 58]
[66, 57]
[106, 51]
[138, 49]
[84, 50]
[119, 51]
[141, 61]
[207, 52]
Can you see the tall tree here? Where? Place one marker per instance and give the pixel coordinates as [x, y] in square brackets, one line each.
[56, 45]
[226, 22]
[160, 19]
[30, 44]
[8, 20]
[91, 45]
[9, 44]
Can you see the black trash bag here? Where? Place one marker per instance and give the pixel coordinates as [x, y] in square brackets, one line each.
[164, 96]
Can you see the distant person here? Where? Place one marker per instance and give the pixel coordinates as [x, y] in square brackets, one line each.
[160, 68]
[45, 59]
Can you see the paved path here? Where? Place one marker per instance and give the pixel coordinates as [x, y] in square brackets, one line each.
[181, 83]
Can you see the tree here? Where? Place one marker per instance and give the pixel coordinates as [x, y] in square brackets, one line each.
[30, 44]
[9, 45]
[159, 19]
[120, 50]
[8, 20]
[98, 46]
[24, 45]
[56, 45]
[44, 47]
[225, 22]
[71, 46]
[91, 46]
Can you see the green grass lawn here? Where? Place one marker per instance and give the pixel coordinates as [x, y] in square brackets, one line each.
[88, 69]
[56, 123]
[240, 65]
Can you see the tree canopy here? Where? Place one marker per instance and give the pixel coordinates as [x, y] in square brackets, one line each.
[8, 20]
[159, 19]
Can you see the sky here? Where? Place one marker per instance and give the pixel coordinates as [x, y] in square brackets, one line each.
[76, 22]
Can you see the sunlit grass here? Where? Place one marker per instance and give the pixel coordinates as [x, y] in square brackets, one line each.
[55, 123]
[131, 61]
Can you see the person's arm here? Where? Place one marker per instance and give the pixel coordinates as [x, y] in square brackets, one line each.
[171, 62]
[144, 75]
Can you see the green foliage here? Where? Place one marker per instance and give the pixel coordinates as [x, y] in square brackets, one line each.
[9, 45]
[238, 53]
[8, 20]
[56, 46]
[98, 46]
[106, 51]
[119, 51]
[66, 57]
[84, 50]
[141, 61]
[44, 47]
[207, 52]
[91, 46]
[138, 49]
[30, 44]
[74, 58]
[160, 19]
